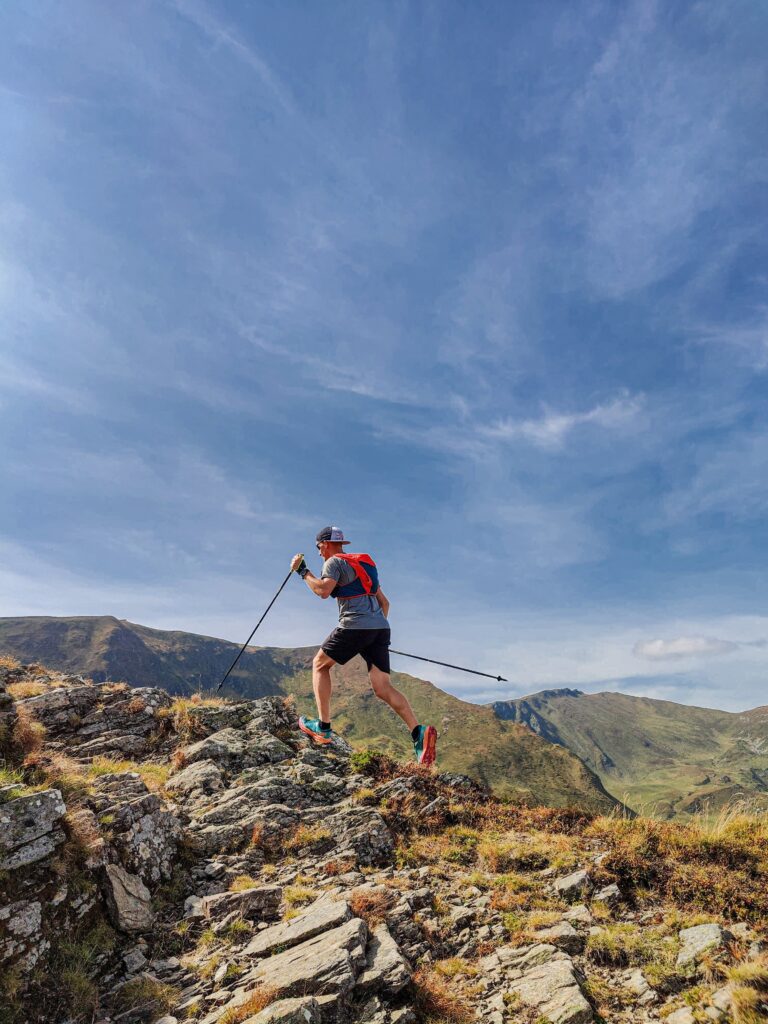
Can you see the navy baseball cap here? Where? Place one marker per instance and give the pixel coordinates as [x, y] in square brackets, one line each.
[332, 534]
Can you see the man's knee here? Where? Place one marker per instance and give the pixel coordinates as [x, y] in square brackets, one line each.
[380, 683]
[322, 660]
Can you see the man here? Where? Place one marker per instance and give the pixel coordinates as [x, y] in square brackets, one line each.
[363, 629]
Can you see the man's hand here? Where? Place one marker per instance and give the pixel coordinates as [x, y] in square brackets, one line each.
[298, 564]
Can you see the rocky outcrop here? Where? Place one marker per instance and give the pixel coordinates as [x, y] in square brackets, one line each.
[265, 881]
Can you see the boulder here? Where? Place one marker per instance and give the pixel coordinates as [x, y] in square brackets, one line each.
[259, 903]
[562, 935]
[201, 778]
[682, 1016]
[289, 1011]
[29, 828]
[545, 979]
[328, 963]
[610, 895]
[321, 916]
[128, 900]
[702, 938]
[225, 747]
[386, 970]
[572, 887]
[360, 833]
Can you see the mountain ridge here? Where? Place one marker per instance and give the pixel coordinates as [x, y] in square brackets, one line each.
[474, 741]
[679, 757]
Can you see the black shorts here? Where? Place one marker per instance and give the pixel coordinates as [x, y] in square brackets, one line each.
[372, 644]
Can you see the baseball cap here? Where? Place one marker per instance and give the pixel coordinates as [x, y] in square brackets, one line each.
[333, 534]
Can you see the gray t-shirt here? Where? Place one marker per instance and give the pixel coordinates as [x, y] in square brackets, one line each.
[354, 612]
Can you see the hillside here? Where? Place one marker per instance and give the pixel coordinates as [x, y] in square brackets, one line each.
[665, 757]
[504, 755]
[169, 860]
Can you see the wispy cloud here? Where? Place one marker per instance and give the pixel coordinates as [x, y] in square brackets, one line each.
[552, 429]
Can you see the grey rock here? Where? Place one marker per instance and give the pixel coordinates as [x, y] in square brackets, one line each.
[636, 982]
[723, 998]
[329, 962]
[289, 1011]
[573, 886]
[225, 747]
[29, 828]
[681, 1016]
[578, 915]
[551, 986]
[700, 939]
[321, 916]
[610, 896]
[258, 903]
[361, 833]
[20, 932]
[562, 935]
[134, 960]
[128, 900]
[386, 970]
[193, 907]
[201, 778]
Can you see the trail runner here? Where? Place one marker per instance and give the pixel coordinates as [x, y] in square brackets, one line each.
[363, 629]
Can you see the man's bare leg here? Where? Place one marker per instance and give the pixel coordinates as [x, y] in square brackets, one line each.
[385, 691]
[321, 684]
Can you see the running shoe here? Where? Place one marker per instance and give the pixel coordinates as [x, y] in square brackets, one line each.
[425, 747]
[311, 726]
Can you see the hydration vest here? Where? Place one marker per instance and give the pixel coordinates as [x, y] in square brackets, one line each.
[367, 582]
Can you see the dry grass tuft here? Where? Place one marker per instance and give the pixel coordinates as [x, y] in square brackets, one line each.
[437, 1001]
[372, 905]
[243, 882]
[20, 691]
[9, 662]
[306, 836]
[146, 991]
[59, 771]
[749, 983]
[27, 735]
[338, 867]
[178, 759]
[258, 1000]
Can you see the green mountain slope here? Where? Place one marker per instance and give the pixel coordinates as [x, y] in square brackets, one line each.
[473, 739]
[664, 757]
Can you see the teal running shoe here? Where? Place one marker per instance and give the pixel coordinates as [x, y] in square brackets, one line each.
[311, 726]
[425, 747]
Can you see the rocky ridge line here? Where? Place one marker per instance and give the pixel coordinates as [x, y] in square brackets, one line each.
[262, 882]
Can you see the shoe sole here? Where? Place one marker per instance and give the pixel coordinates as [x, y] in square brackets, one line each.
[322, 740]
[429, 753]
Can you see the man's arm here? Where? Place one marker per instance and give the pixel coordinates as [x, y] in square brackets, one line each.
[321, 587]
[383, 600]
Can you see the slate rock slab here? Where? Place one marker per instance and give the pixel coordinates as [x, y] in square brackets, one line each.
[386, 971]
[28, 828]
[322, 915]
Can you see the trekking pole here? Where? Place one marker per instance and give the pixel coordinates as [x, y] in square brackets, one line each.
[254, 630]
[472, 671]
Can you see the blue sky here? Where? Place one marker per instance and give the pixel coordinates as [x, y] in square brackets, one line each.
[485, 285]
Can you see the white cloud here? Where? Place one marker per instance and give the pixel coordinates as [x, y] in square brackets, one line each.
[683, 647]
[551, 430]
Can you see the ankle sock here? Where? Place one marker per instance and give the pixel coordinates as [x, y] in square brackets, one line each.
[325, 725]
[415, 732]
